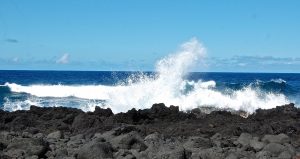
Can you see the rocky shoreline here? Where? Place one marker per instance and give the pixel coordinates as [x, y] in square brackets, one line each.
[158, 132]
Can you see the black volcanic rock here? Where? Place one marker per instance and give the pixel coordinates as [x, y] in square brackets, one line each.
[95, 149]
[157, 132]
[103, 112]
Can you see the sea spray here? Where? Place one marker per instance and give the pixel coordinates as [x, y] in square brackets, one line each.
[168, 86]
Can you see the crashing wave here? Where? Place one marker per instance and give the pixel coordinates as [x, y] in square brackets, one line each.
[168, 86]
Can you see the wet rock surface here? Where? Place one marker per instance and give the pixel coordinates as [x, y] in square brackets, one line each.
[158, 132]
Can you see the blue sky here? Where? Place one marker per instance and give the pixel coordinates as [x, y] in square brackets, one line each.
[240, 36]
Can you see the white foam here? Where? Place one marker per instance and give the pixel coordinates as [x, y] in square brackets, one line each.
[17, 105]
[167, 87]
[84, 104]
[83, 91]
[279, 80]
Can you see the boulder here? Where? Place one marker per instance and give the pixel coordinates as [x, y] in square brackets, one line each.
[95, 150]
[27, 146]
[285, 155]
[26, 135]
[244, 139]
[33, 157]
[210, 153]
[177, 153]
[256, 145]
[38, 135]
[274, 148]
[129, 141]
[61, 153]
[5, 137]
[124, 154]
[76, 140]
[154, 141]
[281, 138]
[290, 148]
[198, 142]
[263, 155]
[55, 135]
[83, 122]
[232, 156]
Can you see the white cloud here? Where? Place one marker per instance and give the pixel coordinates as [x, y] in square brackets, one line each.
[255, 64]
[64, 59]
[16, 59]
[242, 64]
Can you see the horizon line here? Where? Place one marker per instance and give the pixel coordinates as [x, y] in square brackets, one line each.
[143, 71]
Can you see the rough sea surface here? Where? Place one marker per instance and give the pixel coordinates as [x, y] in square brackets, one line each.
[171, 83]
[122, 91]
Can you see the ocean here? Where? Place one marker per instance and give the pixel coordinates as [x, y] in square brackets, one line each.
[172, 82]
[122, 91]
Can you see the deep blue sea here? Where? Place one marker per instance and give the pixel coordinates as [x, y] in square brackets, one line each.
[122, 91]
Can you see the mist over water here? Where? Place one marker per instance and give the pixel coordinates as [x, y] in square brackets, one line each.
[168, 85]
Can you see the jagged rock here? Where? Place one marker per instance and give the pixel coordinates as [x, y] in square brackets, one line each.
[124, 130]
[76, 140]
[81, 122]
[157, 132]
[198, 113]
[103, 112]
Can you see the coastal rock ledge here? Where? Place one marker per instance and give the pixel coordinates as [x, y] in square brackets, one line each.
[158, 132]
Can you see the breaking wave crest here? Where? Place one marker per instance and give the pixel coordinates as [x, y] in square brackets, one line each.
[168, 86]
